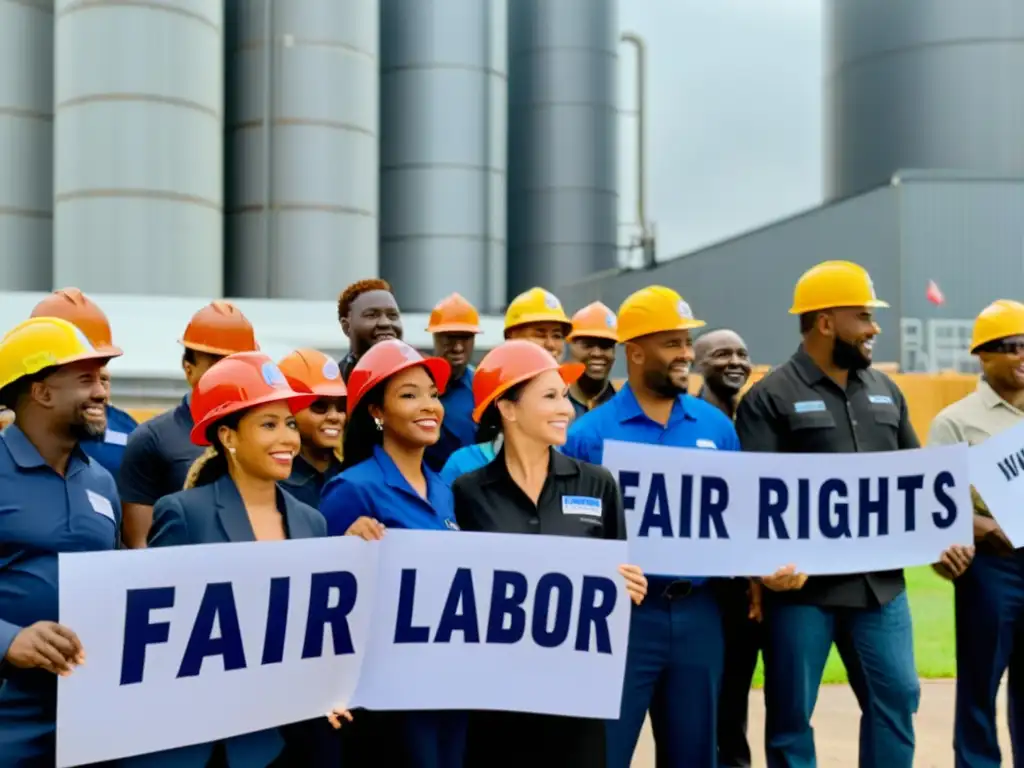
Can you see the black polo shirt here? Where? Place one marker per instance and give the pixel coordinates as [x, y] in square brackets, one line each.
[158, 456]
[578, 499]
[346, 364]
[797, 408]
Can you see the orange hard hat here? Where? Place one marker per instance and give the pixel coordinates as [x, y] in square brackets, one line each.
[453, 314]
[78, 309]
[594, 321]
[219, 328]
[384, 360]
[309, 370]
[511, 363]
[236, 383]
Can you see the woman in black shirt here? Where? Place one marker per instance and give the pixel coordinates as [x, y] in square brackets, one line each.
[532, 488]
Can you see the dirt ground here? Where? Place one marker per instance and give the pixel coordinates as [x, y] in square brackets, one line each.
[835, 728]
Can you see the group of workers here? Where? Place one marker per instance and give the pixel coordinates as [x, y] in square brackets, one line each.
[388, 438]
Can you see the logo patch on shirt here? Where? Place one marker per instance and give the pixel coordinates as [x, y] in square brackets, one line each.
[705, 443]
[581, 505]
[880, 400]
[100, 504]
[115, 438]
[809, 406]
[451, 525]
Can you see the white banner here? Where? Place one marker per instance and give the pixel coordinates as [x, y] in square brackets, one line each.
[697, 512]
[224, 639]
[997, 473]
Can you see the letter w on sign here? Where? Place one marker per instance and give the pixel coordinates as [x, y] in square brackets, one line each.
[997, 474]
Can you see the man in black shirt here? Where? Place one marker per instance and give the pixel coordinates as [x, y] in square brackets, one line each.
[722, 359]
[368, 314]
[827, 399]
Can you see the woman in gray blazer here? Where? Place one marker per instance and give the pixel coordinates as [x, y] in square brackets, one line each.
[243, 411]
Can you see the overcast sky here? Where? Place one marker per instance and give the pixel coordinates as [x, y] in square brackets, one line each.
[734, 115]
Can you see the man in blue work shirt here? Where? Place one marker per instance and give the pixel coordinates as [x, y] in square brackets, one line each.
[454, 324]
[53, 499]
[160, 452]
[674, 661]
[113, 427]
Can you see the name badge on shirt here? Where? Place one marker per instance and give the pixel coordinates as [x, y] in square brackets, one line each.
[703, 442]
[809, 406]
[115, 438]
[100, 504]
[880, 400]
[581, 505]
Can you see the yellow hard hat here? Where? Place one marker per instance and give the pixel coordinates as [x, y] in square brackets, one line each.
[654, 309]
[834, 284]
[998, 320]
[536, 306]
[42, 342]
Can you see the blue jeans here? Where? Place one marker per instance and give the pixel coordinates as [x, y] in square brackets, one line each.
[673, 669]
[877, 649]
[989, 619]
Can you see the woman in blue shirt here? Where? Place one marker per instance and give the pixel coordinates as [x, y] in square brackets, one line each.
[394, 413]
[243, 410]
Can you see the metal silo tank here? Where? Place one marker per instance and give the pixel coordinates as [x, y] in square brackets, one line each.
[26, 134]
[443, 146]
[139, 147]
[922, 84]
[316, 171]
[563, 196]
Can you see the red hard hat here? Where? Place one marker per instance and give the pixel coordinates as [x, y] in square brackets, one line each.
[237, 382]
[384, 360]
[511, 363]
[78, 309]
[219, 328]
[309, 370]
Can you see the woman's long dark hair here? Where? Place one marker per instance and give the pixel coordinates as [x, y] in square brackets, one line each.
[213, 463]
[490, 421]
[361, 434]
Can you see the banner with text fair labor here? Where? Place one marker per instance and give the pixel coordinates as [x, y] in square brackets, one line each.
[187, 645]
[700, 512]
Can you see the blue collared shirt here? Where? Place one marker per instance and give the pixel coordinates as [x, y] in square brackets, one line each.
[158, 456]
[692, 423]
[376, 488]
[41, 515]
[108, 450]
[468, 459]
[458, 429]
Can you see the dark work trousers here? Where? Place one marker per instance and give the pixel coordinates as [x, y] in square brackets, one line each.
[877, 649]
[742, 645]
[673, 669]
[989, 638]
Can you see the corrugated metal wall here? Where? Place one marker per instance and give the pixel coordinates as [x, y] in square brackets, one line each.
[967, 236]
[444, 67]
[139, 90]
[26, 134]
[563, 146]
[932, 84]
[317, 169]
[747, 283]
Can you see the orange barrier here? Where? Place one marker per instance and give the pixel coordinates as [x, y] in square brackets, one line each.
[926, 393]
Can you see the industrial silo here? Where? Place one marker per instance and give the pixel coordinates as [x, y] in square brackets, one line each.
[443, 146]
[924, 84]
[562, 160]
[302, 197]
[138, 141]
[26, 135]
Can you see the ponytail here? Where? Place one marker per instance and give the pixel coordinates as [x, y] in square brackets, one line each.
[208, 468]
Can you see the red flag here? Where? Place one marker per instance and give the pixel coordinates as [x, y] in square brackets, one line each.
[933, 294]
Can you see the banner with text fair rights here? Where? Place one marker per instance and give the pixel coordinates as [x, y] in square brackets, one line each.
[708, 513]
[188, 645]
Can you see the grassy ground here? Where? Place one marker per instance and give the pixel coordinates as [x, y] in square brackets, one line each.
[931, 603]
